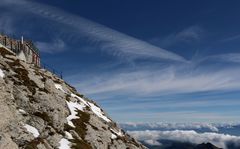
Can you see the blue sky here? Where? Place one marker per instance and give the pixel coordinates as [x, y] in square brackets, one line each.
[141, 60]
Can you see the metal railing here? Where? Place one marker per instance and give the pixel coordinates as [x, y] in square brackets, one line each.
[51, 69]
[16, 46]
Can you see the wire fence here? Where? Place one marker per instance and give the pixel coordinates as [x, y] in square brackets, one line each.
[51, 69]
[16, 46]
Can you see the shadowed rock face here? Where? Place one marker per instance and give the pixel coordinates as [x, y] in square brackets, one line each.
[39, 110]
[168, 144]
[206, 146]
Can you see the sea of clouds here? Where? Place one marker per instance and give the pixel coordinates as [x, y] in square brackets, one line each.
[173, 126]
[220, 140]
[195, 133]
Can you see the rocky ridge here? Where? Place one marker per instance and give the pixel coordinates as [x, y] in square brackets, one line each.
[38, 110]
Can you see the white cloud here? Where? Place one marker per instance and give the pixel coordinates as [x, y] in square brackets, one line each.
[229, 57]
[6, 24]
[180, 116]
[152, 142]
[219, 140]
[161, 82]
[112, 41]
[57, 45]
[170, 126]
[188, 35]
[232, 38]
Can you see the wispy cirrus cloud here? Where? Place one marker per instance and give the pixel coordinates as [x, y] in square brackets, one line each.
[180, 116]
[176, 104]
[232, 38]
[229, 57]
[150, 81]
[161, 82]
[6, 24]
[107, 39]
[141, 81]
[188, 35]
[57, 45]
[193, 33]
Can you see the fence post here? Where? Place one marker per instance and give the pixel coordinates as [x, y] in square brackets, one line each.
[11, 46]
[61, 75]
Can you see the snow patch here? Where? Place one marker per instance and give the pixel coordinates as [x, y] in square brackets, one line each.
[94, 108]
[79, 98]
[1, 73]
[59, 87]
[64, 144]
[98, 112]
[32, 130]
[73, 107]
[113, 136]
[69, 136]
[119, 133]
[22, 111]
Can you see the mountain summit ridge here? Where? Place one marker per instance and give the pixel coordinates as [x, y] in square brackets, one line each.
[40, 110]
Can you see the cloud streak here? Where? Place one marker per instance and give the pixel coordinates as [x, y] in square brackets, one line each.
[52, 47]
[108, 39]
[229, 57]
[140, 82]
[188, 35]
[162, 82]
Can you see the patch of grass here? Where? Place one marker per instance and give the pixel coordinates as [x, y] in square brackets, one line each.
[22, 75]
[80, 95]
[72, 89]
[34, 143]
[127, 139]
[58, 81]
[4, 52]
[81, 127]
[68, 97]
[67, 127]
[80, 144]
[95, 128]
[43, 90]
[44, 79]
[81, 130]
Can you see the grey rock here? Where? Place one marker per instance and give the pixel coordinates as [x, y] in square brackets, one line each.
[34, 111]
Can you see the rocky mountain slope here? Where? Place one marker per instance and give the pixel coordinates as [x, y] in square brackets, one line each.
[38, 110]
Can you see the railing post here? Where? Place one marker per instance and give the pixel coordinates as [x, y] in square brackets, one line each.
[11, 45]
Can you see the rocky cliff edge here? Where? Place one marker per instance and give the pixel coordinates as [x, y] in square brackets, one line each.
[38, 110]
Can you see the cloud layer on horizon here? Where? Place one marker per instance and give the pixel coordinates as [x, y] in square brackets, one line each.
[219, 140]
[171, 126]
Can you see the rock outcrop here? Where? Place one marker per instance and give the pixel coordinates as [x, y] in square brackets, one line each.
[38, 110]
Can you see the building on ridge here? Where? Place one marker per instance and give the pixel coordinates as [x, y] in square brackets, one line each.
[24, 49]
